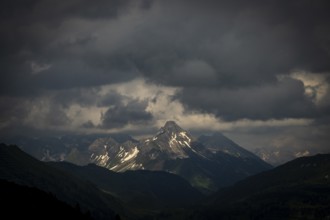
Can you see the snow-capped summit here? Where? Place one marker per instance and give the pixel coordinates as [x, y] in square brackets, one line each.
[171, 141]
[171, 126]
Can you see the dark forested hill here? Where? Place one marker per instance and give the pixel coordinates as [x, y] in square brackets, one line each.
[18, 167]
[299, 189]
[139, 189]
[32, 203]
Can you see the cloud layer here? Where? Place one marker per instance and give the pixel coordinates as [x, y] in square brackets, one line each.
[111, 66]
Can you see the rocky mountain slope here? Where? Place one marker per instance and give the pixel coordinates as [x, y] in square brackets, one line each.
[207, 162]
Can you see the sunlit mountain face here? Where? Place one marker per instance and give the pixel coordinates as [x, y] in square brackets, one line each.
[207, 162]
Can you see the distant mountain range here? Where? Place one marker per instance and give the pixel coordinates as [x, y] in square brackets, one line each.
[206, 162]
[278, 156]
[299, 189]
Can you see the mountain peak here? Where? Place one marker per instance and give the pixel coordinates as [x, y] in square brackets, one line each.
[172, 140]
[171, 125]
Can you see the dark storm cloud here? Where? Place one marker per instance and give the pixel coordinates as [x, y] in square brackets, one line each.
[22, 116]
[225, 55]
[121, 110]
[82, 97]
[55, 116]
[12, 111]
[285, 99]
[248, 45]
[239, 40]
[245, 42]
[52, 10]
[88, 124]
[112, 98]
[31, 32]
[120, 115]
[88, 98]
[325, 104]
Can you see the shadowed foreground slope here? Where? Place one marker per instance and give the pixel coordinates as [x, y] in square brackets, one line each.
[299, 189]
[18, 167]
[33, 203]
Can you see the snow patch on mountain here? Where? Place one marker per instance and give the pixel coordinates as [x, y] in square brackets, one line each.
[130, 155]
[184, 135]
[302, 153]
[102, 160]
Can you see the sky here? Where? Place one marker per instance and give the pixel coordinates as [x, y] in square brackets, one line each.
[258, 71]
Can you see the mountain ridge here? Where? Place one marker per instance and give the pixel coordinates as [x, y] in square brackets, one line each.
[298, 189]
[19, 167]
[140, 189]
[207, 162]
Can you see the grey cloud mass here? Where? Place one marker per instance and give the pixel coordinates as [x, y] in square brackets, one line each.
[63, 62]
[121, 115]
[243, 43]
[284, 99]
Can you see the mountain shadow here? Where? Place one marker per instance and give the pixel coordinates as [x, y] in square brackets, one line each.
[32, 203]
[139, 190]
[299, 189]
[18, 167]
